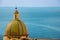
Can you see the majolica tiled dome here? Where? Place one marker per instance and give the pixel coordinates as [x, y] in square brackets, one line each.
[16, 27]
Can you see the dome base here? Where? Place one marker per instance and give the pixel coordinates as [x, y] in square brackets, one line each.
[21, 38]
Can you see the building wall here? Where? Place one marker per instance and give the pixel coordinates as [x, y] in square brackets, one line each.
[5, 38]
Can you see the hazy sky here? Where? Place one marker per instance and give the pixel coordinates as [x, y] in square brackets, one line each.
[30, 3]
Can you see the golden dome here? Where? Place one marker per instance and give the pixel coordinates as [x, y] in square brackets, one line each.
[16, 27]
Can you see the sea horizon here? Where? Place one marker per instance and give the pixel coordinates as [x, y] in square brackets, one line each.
[41, 22]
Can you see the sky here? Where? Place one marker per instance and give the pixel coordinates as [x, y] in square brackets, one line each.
[30, 3]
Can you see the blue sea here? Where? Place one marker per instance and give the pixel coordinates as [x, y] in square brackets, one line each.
[41, 22]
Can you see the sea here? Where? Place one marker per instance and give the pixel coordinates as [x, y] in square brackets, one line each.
[41, 22]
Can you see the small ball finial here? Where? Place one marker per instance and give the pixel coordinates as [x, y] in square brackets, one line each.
[16, 8]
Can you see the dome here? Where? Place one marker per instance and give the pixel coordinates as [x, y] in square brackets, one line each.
[16, 27]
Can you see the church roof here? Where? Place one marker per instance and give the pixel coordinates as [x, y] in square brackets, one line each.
[16, 27]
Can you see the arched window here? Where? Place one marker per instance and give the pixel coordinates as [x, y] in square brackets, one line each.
[24, 39]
